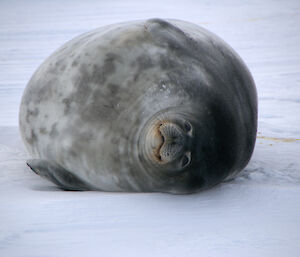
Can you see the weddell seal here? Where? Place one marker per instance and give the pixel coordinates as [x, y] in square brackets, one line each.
[143, 106]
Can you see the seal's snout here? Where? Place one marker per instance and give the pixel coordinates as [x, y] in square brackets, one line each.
[173, 141]
[167, 142]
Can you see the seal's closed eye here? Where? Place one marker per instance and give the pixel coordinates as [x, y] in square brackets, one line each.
[187, 126]
[186, 159]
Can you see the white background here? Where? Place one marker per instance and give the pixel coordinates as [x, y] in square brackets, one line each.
[257, 214]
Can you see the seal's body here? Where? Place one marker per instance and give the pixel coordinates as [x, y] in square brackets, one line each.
[140, 106]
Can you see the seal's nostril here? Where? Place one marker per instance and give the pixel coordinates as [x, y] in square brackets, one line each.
[162, 138]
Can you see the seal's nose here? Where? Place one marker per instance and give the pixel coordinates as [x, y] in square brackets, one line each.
[173, 141]
[166, 142]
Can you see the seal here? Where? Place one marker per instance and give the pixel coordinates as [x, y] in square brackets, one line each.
[143, 106]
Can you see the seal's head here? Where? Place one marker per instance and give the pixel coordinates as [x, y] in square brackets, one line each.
[188, 150]
[168, 149]
[167, 142]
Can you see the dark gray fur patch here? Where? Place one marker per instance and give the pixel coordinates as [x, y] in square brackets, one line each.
[67, 103]
[43, 131]
[53, 131]
[32, 138]
[115, 141]
[86, 136]
[99, 74]
[100, 108]
[32, 113]
[143, 62]
[74, 63]
[85, 79]
[62, 68]
[113, 88]
[43, 89]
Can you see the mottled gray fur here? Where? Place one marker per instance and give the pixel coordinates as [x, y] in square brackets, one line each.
[86, 106]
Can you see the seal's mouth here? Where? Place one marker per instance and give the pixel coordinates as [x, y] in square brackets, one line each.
[161, 143]
[166, 142]
[169, 142]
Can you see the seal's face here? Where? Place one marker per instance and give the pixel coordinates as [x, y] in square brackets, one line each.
[168, 144]
[184, 150]
[169, 151]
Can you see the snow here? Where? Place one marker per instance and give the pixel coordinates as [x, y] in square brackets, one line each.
[257, 214]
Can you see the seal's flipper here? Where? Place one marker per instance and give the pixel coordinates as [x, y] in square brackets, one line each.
[58, 175]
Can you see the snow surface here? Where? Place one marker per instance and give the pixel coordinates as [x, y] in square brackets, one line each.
[257, 214]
